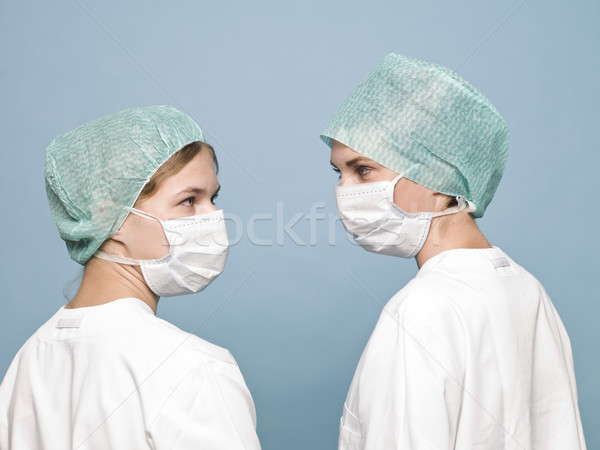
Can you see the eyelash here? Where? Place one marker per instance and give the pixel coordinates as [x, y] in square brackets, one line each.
[362, 171]
[212, 199]
[336, 170]
[189, 198]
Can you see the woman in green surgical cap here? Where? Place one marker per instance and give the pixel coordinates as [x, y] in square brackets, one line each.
[471, 353]
[132, 194]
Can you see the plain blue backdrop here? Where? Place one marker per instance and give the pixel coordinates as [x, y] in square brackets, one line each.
[263, 79]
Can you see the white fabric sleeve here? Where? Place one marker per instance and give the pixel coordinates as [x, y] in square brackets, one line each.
[418, 371]
[3, 428]
[7, 387]
[210, 409]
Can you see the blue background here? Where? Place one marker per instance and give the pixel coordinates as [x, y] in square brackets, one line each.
[263, 79]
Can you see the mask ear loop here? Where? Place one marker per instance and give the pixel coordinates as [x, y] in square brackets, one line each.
[462, 204]
[116, 258]
[390, 192]
[471, 206]
[124, 259]
[394, 182]
[145, 215]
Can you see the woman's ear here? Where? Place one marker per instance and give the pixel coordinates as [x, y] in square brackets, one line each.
[120, 235]
[443, 201]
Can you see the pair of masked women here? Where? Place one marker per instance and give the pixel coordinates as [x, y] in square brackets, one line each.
[470, 354]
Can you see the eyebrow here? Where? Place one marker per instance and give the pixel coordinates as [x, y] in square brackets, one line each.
[353, 162]
[195, 190]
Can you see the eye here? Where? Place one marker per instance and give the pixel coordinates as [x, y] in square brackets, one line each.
[363, 171]
[190, 200]
[336, 170]
[213, 198]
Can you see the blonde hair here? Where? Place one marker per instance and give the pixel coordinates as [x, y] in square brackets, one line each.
[174, 164]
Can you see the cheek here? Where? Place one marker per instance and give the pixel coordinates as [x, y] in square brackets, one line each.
[148, 240]
[412, 198]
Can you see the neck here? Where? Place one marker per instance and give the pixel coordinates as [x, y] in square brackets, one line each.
[105, 281]
[450, 232]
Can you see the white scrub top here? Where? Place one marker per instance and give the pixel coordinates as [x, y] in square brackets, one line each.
[117, 377]
[471, 354]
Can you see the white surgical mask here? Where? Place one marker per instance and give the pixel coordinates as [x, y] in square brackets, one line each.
[378, 225]
[198, 251]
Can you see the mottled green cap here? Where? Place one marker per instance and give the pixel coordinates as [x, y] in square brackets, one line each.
[96, 172]
[426, 122]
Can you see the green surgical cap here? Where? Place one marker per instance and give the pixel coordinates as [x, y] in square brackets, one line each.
[96, 172]
[427, 123]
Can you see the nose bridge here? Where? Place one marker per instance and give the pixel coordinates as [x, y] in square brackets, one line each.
[206, 207]
[349, 179]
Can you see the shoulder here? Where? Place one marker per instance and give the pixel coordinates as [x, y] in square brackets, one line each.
[186, 346]
[425, 298]
[420, 330]
[127, 335]
[425, 314]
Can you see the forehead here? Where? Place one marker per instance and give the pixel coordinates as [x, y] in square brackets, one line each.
[200, 170]
[340, 153]
[201, 164]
